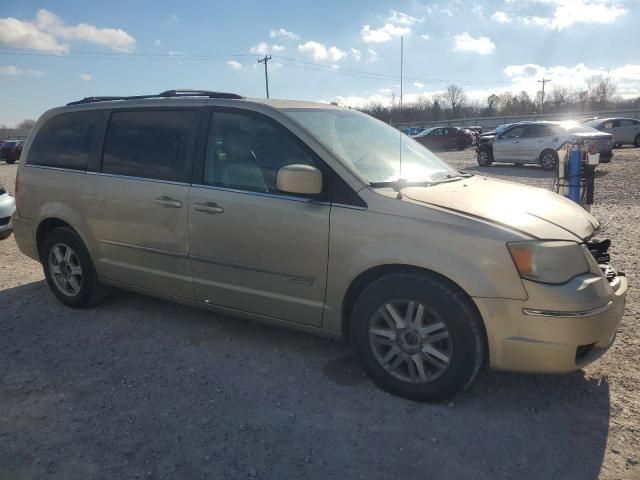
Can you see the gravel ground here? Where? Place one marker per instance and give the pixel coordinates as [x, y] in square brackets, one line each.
[142, 388]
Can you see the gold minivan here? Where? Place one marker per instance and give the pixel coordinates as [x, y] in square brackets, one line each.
[318, 218]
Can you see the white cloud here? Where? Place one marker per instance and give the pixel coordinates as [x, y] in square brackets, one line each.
[48, 33]
[157, 43]
[356, 54]
[569, 12]
[480, 45]
[382, 34]
[319, 51]
[501, 17]
[86, 77]
[263, 48]
[234, 64]
[397, 24]
[425, 36]
[13, 71]
[174, 18]
[281, 32]
[400, 18]
[418, 84]
[373, 55]
[174, 53]
[526, 76]
[260, 49]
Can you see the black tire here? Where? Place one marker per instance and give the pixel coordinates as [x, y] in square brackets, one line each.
[485, 157]
[461, 146]
[5, 235]
[548, 160]
[91, 292]
[10, 161]
[636, 142]
[444, 303]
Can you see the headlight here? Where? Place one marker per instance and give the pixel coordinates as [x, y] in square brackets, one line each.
[548, 262]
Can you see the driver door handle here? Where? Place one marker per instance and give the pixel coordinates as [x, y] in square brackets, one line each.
[208, 207]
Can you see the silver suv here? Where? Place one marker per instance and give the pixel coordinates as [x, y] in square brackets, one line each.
[318, 218]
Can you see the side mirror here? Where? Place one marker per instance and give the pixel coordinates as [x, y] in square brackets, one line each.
[299, 179]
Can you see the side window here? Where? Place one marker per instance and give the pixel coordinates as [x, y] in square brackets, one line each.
[64, 140]
[626, 123]
[616, 123]
[245, 152]
[154, 144]
[516, 132]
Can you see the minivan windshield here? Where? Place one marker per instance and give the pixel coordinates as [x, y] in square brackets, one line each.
[372, 148]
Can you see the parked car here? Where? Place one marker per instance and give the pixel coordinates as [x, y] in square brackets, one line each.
[538, 142]
[7, 207]
[447, 138]
[624, 130]
[10, 150]
[412, 131]
[319, 218]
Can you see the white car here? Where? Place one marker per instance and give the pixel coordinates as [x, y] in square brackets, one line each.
[624, 130]
[7, 207]
[538, 142]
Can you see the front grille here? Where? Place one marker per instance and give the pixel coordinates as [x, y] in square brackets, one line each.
[4, 221]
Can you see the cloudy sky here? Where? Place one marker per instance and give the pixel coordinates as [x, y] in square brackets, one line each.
[346, 51]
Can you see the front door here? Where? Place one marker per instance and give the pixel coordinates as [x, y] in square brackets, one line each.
[136, 207]
[506, 146]
[252, 248]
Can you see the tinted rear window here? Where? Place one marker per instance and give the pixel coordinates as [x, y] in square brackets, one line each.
[151, 144]
[64, 140]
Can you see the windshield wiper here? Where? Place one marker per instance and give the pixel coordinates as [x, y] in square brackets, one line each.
[400, 183]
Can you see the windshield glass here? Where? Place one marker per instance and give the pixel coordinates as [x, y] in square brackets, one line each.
[370, 147]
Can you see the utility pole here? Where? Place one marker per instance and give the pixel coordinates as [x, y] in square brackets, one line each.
[401, 67]
[265, 60]
[543, 82]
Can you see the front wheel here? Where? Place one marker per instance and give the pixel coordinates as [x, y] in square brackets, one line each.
[485, 157]
[417, 337]
[10, 161]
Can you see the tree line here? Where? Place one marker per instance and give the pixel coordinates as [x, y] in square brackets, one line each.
[453, 102]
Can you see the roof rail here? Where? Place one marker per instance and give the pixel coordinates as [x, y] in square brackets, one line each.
[165, 94]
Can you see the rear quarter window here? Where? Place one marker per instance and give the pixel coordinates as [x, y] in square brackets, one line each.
[64, 140]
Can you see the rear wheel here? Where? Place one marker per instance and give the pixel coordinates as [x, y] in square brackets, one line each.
[485, 157]
[636, 142]
[69, 270]
[10, 161]
[417, 336]
[548, 160]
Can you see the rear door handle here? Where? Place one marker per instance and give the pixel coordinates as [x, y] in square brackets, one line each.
[168, 202]
[208, 207]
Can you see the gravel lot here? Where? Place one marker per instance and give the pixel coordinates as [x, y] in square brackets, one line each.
[142, 388]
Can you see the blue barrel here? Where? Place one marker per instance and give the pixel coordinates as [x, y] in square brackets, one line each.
[574, 173]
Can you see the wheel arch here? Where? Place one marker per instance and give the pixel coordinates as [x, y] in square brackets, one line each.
[46, 226]
[545, 150]
[367, 277]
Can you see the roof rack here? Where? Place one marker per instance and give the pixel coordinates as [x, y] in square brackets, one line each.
[165, 94]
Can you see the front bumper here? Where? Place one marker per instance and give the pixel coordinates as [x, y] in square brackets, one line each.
[7, 207]
[576, 326]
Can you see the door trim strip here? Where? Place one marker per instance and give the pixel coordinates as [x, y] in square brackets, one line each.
[144, 249]
[293, 276]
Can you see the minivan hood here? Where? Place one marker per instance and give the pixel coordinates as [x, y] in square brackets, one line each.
[534, 211]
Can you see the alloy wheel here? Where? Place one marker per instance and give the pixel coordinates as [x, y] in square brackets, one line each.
[410, 341]
[548, 161]
[65, 269]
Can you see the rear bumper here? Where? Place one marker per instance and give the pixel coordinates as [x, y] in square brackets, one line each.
[565, 337]
[24, 236]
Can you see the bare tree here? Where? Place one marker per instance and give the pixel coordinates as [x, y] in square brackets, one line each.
[601, 90]
[454, 98]
[26, 124]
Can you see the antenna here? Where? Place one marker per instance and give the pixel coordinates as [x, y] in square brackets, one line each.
[401, 111]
